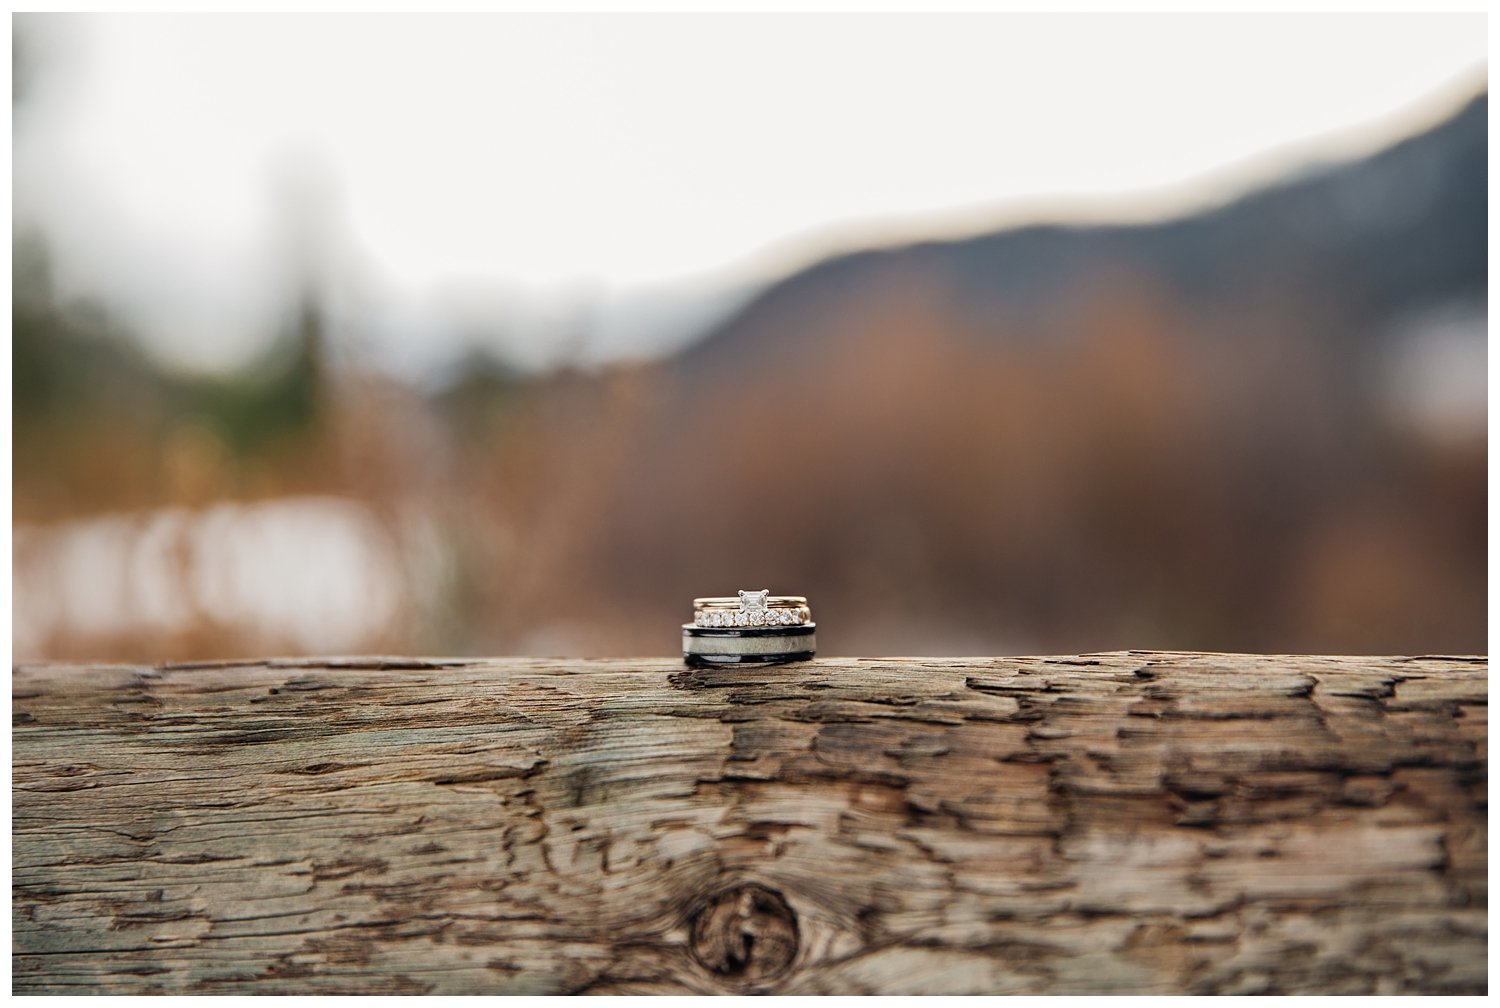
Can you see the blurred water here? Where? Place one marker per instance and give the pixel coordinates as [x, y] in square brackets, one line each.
[296, 574]
[1435, 372]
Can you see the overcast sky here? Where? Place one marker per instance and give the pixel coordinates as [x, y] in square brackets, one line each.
[498, 174]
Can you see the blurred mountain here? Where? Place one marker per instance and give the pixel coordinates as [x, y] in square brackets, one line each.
[1407, 226]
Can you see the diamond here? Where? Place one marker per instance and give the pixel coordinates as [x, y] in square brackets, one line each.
[750, 601]
[741, 619]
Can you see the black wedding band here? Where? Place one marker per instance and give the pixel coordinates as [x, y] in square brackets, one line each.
[747, 645]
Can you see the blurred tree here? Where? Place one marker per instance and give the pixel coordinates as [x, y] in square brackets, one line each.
[277, 399]
[90, 410]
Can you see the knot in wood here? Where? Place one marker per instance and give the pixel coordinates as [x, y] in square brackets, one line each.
[746, 934]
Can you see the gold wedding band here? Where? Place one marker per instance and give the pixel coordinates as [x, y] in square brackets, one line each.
[727, 602]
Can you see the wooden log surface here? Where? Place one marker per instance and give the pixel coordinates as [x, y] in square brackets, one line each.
[1118, 823]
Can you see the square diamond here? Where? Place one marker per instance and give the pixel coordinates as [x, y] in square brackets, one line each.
[753, 601]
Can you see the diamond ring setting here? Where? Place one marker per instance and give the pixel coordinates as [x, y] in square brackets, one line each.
[752, 608]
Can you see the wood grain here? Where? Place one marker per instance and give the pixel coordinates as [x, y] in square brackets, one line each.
[1118, 823]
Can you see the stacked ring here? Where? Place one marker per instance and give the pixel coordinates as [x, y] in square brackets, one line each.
[755, 628]
[751, 608]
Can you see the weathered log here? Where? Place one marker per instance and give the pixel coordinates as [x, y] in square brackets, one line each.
[1121, 823]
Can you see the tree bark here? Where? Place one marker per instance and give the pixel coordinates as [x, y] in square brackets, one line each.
[1117, 823]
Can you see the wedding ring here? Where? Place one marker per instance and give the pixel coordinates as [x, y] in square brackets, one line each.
[765, 617]
[764, 597]
[754, 628]
[739, 646]
[751, 609]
